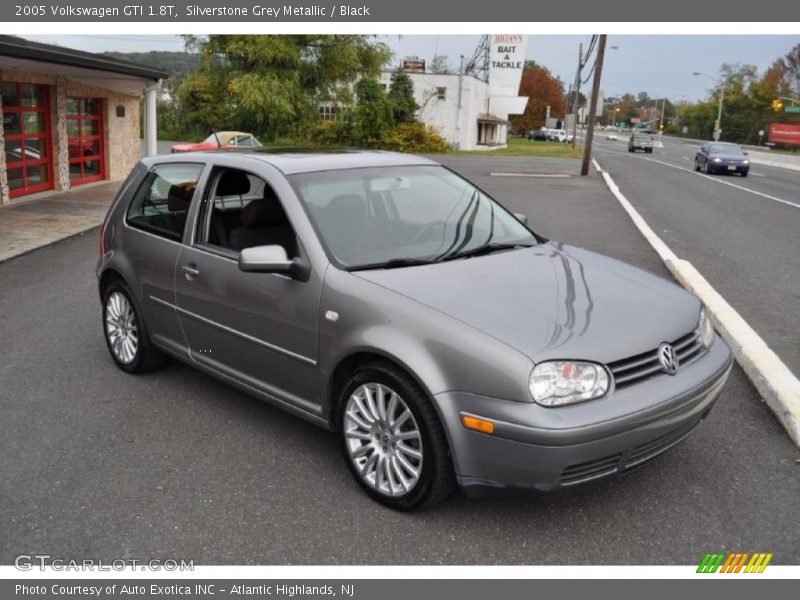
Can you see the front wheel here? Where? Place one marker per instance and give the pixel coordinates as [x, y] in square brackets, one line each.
[696, 165]
[744, 173]
[392, 439]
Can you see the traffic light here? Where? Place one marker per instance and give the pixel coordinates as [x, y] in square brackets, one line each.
[777, 105]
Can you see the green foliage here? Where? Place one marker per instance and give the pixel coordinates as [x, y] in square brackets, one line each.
[272, 85]
[373, 114]
[401, 95]
[332, 133]
[415, 137]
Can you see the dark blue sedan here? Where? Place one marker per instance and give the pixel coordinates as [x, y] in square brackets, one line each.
[722, 157]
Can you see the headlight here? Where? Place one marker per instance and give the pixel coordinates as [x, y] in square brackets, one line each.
[716, 160]
[705, 329]
[560, 382]
[745, 162]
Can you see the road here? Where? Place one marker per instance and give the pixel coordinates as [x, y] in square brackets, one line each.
[174, 464]
[742, 234]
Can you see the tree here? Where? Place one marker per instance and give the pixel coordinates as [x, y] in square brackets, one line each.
[440, 65]
[273, 84]
[401, 95]
[543, 90]
[373, 113]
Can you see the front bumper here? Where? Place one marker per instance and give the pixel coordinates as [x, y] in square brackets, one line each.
[523, 455]
[726, 168]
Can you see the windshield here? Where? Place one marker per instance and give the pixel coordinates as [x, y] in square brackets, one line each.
[372, 216]
[724, 149]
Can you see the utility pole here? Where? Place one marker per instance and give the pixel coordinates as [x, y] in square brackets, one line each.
[598, 71]
[577, 97]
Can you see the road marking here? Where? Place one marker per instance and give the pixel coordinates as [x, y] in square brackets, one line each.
[716, 179]
[685, 158]
[756, 174]
[771, 377]
[542, 175]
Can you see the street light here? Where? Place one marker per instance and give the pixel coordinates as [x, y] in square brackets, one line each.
[718, 126]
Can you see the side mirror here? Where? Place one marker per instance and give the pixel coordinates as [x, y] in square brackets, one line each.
[745, 153]
[265, 259]
[522, 218]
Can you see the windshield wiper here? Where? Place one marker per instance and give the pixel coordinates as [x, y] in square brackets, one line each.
[485, 249]
[394, 263]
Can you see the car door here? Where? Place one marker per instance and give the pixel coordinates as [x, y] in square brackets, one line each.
[257, 329]
[155, 222]
[703, 155]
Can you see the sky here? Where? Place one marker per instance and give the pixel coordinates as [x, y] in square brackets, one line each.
[661, 65]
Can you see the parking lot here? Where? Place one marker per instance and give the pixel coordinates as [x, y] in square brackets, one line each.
[175, 464]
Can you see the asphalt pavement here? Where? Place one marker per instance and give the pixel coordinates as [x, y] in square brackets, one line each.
[174, 464]
[742, 234]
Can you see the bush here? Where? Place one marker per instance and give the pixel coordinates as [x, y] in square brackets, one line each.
[414, 137]
[331, 133]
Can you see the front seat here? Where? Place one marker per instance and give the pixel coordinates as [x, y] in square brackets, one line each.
[231, 183]
[178, 201]
[264, 223]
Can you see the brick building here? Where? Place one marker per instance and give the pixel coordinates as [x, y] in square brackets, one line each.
[69, 117]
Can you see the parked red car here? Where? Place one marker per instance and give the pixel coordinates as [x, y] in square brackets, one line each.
[221, 139]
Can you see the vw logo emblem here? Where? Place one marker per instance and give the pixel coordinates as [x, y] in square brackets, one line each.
[668, 359]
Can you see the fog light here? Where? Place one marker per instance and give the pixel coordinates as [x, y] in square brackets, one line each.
[477, 424]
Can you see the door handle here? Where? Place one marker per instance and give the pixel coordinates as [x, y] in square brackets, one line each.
[190, 271]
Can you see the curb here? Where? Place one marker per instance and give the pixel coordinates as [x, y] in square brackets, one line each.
[776, 384]
[50, 243]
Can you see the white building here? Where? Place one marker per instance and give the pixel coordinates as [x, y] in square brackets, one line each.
[470, 113]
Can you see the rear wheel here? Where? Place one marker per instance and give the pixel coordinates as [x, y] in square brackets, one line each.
[125, 332]
[392, 439]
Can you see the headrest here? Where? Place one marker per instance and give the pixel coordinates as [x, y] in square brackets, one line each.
[264, 212]
[348, 205]
[233, 183]
[178, 198]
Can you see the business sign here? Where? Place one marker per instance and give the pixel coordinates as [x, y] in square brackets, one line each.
[506, 62]
[784, 134]
[792, 109]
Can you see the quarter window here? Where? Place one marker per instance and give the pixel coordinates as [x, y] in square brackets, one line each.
[162, 201]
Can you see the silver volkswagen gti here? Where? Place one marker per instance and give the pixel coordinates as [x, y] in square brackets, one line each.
[386, 298]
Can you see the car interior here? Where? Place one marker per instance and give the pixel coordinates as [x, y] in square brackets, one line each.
[246, 212]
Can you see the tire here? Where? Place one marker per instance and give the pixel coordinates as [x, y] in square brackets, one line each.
[424, 434]
[120, 311]
[708, 168]
[696, 165]
[631, 149]
[744, 173]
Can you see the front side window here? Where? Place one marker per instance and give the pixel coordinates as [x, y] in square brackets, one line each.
[243, 211]
[161, 203]
[424, 213]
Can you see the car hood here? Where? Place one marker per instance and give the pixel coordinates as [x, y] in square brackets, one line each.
[552, 301]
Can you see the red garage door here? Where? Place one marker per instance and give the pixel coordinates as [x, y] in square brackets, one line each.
[85, 138]
[26, 133]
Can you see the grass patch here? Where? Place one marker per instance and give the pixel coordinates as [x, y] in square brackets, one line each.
[518, 146]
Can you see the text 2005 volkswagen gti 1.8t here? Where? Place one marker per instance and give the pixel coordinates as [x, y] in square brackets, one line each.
[386, 298]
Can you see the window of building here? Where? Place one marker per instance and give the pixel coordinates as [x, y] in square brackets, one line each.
[27, 137]
[441, 93]
[85, 133]
[162, 201]
[327, 112]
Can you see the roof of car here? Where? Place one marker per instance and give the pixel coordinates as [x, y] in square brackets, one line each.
[291, 161]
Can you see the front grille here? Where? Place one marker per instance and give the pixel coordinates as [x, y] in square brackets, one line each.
[653, 448]
[635, 369]
[580, 472]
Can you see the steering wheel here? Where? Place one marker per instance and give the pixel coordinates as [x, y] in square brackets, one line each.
[426, 233]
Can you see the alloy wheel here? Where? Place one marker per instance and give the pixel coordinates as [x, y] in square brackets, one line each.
[121, 328]
[383, 439]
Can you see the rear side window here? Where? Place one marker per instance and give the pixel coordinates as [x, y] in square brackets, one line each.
[161, 203]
